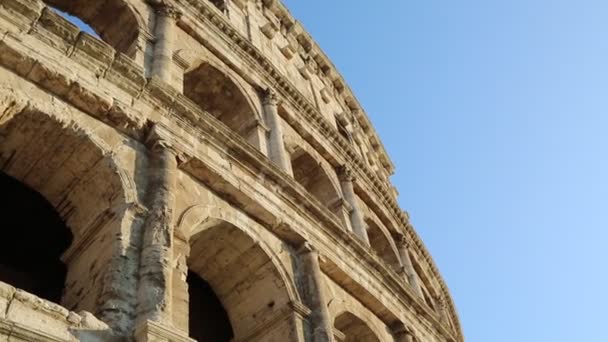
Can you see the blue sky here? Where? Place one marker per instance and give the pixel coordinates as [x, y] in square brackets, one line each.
[496, 116]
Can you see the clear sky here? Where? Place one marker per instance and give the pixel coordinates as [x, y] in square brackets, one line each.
[496, 116]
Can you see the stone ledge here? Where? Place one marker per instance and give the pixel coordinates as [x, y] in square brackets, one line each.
[46, 321]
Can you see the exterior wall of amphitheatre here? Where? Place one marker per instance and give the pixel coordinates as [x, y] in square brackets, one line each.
[204, 139]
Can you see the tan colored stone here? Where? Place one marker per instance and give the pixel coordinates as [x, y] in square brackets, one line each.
[209, 139]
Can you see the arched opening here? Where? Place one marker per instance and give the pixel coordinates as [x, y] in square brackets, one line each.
[60, 174]
[381, 244]
[34, 238]
[424, 283]
[232, 278]
[208, 320]
[84, 27]
[112, 20]
[218, 94]
[354, 329]
[309, 173]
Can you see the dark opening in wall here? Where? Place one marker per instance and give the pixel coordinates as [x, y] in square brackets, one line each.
[208, 321]
[33, 239]
[220, 4]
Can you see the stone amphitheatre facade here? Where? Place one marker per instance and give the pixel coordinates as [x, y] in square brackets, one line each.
[199, 172]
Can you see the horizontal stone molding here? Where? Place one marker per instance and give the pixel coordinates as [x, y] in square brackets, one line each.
[121, 72]
[29, 318]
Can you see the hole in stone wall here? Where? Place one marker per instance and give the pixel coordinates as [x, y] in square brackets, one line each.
[208, 320]
[84, 27]
[34, 237]
[113, 21]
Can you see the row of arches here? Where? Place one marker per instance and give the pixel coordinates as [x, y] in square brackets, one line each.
[217, 92]
[65, 187]
[221, 95]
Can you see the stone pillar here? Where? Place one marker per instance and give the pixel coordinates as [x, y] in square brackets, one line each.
[322, 327]
[407, 267]
[356, 218]
[403, 334]
[154, 294]
[276, 145]
[164, 32]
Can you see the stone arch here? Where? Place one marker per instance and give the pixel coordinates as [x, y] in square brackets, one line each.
[77, 174]
[428, 291]
[315, 178]
[353, 329]
[115, 21]
[245, 275]
[383, 244]
[217, 91]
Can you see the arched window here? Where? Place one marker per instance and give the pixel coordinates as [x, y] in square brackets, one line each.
[207, 318]
[84, 27]
[311, 175]
[60, 177]
[218, 94]
[381, 244]
[354, 329]
[235, 289]
[35, 237]
[112, 20]
[425, 286]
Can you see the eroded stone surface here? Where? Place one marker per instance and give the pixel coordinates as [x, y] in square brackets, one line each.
[210, 139]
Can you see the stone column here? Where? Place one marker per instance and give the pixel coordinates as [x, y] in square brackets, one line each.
[407, 267]
[276, 145]
[155, 274]
[403, 334]
[322, 327]
[164, 32]
[356, 218]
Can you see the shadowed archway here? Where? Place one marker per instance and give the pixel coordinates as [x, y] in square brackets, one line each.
[35, 237]
[217, 93]
[354, 329]
[233, 277]
[381, 243]
[60, 172]
[310, 174]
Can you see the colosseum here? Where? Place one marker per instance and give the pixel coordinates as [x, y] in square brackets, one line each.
[196, 170]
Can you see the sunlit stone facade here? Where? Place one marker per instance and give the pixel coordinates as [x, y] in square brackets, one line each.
[199, 172]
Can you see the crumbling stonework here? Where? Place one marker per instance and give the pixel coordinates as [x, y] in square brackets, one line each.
[216, 177]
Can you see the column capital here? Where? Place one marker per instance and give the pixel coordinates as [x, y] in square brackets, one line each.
[307, 248]
[159, 139]
[165, 8]
[400, 328]
[346, 174]
[402, 240]
[270, 97]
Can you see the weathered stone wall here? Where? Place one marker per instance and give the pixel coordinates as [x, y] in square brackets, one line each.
[153, 186]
